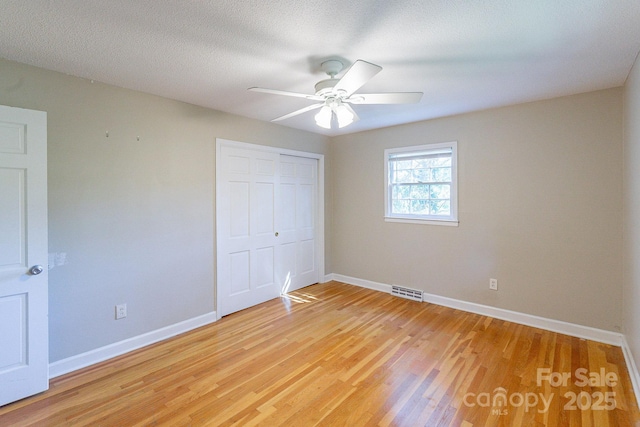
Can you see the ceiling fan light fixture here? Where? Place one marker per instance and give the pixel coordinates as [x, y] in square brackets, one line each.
[345, 117]
[334, 96]
[323, 118]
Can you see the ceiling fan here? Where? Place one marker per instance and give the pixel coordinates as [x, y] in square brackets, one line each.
[335, 95]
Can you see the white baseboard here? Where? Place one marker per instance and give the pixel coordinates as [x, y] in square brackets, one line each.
[632, 368]
[559, 326]
[101, 354]
[326, 278]
[361, 282]
[572, 329]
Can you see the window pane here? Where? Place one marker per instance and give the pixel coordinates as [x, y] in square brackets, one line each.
[419, 191]
[404, 191]
[422, 175]
[423, 163]
[404, 164]
[420, 207]
[440, 207]
[395, 192]
[400, 191]
[442, 174]
[401, 206]
[402, 176]
[440, 191]
[442, 161]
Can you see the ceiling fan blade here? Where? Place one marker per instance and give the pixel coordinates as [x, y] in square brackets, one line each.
[356, 76]
[386, 98]
[300, 111]
[286, 93]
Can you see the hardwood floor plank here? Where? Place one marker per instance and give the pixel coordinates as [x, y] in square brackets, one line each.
[334, 354]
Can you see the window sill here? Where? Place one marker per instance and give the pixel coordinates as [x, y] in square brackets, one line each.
[444, 222]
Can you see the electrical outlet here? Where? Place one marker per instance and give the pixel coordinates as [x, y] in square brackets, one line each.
[493, 284]
[121, 311]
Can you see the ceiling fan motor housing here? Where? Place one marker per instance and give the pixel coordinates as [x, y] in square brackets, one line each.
[332, 67]
[324, 87]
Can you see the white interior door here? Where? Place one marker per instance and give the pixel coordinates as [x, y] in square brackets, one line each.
[247, 185]
[296, 222]
[24, 346]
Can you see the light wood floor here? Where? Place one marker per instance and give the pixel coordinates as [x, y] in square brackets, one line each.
[339, 355]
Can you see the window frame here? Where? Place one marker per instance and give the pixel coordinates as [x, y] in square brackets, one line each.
[452, 218]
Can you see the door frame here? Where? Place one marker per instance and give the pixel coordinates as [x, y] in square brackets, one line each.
[319, 226]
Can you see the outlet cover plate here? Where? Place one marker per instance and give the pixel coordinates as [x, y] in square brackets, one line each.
[121, 311]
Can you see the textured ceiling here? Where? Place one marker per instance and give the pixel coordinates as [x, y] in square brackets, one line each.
[464, 55]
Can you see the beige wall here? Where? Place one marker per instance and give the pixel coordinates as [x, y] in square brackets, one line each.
[540, 209]
[540, 206]
[135, 218]
[631, 289]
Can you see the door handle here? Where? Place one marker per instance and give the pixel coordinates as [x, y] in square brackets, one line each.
[277, 234]
[35, 270]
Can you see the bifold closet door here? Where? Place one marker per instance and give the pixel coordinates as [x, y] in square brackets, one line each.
[266, 225]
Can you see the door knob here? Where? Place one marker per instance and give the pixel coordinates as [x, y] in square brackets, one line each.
[277, 234]
[35, 270]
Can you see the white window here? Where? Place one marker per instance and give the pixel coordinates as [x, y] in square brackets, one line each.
[421, 184]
